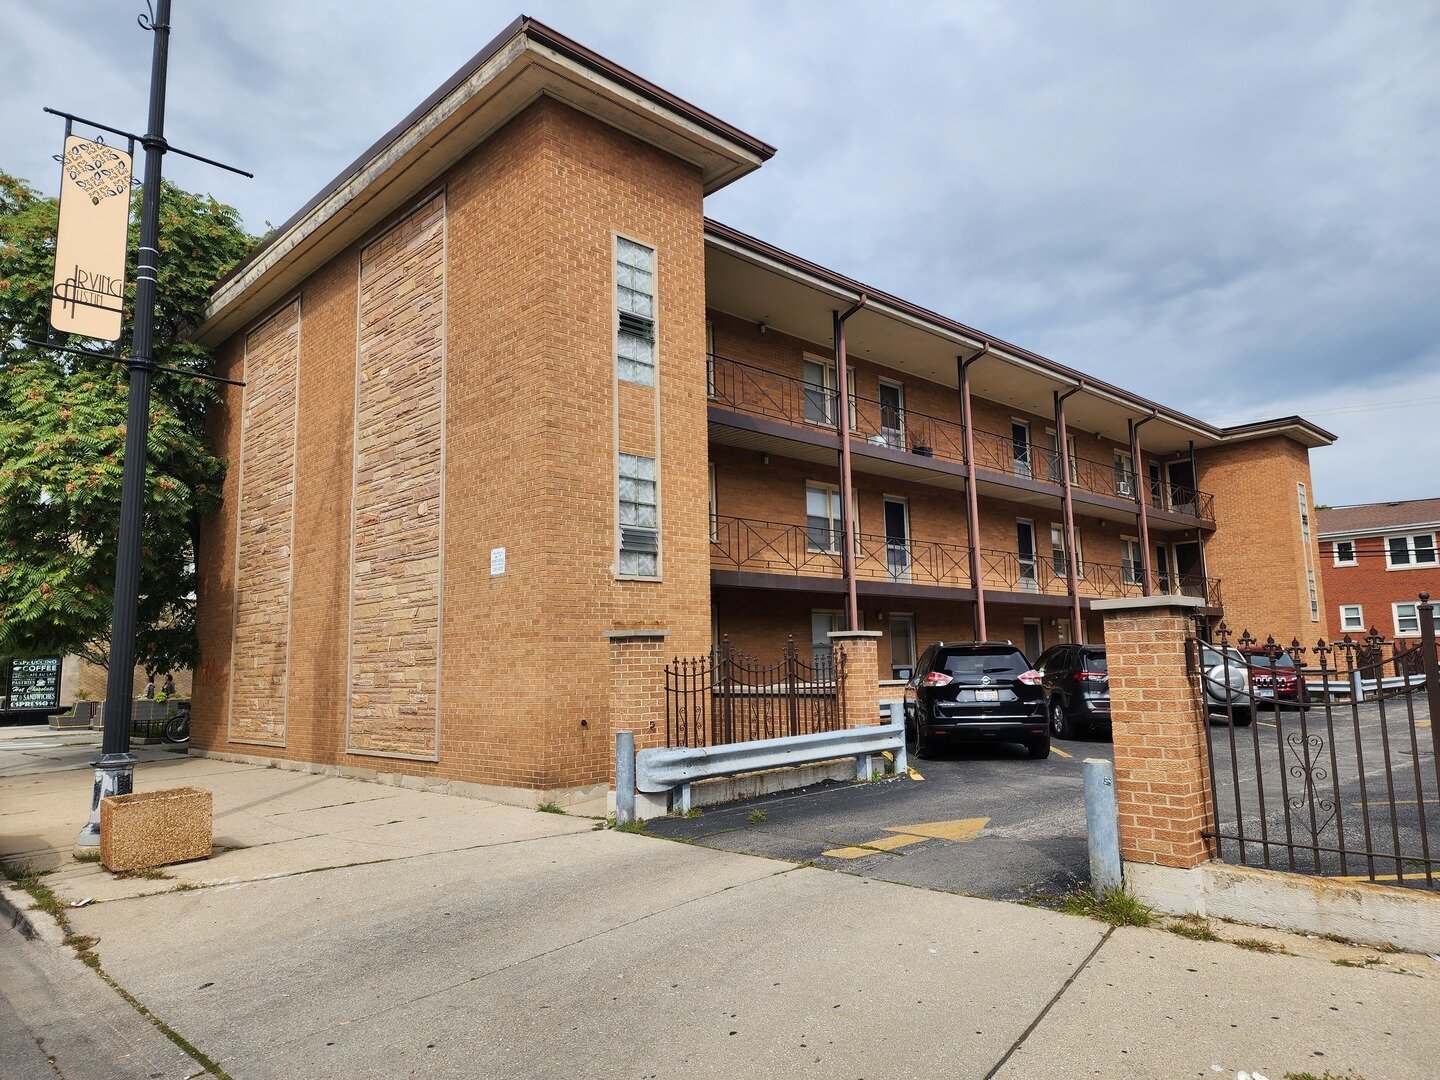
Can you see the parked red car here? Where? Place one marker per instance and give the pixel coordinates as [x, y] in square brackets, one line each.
[1283, 680]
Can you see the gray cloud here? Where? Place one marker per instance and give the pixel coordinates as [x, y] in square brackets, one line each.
[1230, 207]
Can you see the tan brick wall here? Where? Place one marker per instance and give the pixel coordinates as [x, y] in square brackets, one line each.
[859, 692]
[637, 692]
[1256, 550]
[266, 473]
[398, 490]
[1162, 768]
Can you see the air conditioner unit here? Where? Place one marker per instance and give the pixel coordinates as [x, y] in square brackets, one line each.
[1123, 487]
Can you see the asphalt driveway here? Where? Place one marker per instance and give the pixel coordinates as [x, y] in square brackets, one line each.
[985, 821]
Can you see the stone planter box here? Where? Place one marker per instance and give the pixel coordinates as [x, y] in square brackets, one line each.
[155, 828]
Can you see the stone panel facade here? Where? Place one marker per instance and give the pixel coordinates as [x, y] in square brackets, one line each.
[266, 531]
[398, 490]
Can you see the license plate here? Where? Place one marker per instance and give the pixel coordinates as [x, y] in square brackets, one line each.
[987, 695]
[1265, 692]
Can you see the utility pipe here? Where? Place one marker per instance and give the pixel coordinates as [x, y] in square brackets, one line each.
[1072, 562]
[972, 507]
[1199, 532]
[842, 425]
[1141, 501]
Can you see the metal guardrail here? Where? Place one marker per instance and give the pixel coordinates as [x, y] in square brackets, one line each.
[674, 768]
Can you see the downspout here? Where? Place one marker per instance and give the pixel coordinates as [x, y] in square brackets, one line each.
[972, 502]
[842, 425]
[1072, 563]
[1141, 501]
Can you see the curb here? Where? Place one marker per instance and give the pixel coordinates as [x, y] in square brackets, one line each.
[16, 910]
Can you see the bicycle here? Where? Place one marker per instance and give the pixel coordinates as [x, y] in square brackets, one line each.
[177, 728]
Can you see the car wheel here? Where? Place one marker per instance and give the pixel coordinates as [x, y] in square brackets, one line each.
[1060, 725]
[1243, 717]
[1039, 748]
[923, 747]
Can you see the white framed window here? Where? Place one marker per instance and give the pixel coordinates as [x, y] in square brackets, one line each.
[1314, 596]
[1131, 563]
[1352, 618]
[1124, 475]
[1408, 552]
[709, 358]
[824, 527]
[821, 394]
[635, 302]
[822, 624]
[1407, 619]
[1344, 552]
[902, 646]
[1052, 455]
[1057, 552]
[639, 514]
[1310, 554]
[714, 509]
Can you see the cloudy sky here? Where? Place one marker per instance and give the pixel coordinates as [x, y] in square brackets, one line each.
[1231, 207]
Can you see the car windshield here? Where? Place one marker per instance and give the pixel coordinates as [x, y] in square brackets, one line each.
[971, 664]
[1260, 660]
[1211, 656]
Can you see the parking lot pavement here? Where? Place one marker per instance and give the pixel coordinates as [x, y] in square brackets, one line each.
[986, 821]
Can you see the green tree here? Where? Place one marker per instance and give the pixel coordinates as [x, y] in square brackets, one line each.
[62, 438]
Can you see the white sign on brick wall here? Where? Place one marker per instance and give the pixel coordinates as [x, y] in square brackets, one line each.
[497, 561]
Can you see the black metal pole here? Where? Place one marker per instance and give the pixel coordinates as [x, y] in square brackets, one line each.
[115, 767]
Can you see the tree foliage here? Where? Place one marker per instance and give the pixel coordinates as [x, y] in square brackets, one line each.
[62, 439]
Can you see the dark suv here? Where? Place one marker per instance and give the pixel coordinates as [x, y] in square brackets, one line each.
[975, 692]
[1077, 688]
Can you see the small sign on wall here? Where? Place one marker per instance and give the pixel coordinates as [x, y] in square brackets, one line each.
[497, 561]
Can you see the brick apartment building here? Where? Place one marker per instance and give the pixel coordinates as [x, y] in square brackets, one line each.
[520, 420]
[1376, 559]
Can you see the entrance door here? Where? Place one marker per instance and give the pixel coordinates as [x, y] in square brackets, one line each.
[1025, 549]
[892, 414]
[1162, 568]
[1062, 630]
[1187, 569]
[1157, 487]
[1020, 446]
[897, 538]
[1182, 487]
[1034, 642]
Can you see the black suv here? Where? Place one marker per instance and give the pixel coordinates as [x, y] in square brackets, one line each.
[975, 692]
[1076, 682]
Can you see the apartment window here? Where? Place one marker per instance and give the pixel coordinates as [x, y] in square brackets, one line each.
[1405, 551]
[902, 646]
[819, 393]
[1130, 561]
[1057, 552]
[635, 300]
[1344, 551]
[709, 357]
[714, 509]
[1407, 619]
[1124, 475]
[1052, 454]
[1314, 596]
[822, 624]
[1304, 500]
[639, 517]
[1352, 618]
[824, 529]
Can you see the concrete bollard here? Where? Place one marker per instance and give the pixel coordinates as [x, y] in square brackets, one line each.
[624, 777]
[1102, 825]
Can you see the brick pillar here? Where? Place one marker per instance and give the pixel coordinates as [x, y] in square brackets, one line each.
[860, 691]
[637, 688]
[1162, 767]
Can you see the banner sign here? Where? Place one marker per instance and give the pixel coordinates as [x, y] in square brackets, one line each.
[88, 295]
[35, 683]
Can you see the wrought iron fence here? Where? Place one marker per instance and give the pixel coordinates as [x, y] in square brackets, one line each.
[730, 697]
[1302, 783]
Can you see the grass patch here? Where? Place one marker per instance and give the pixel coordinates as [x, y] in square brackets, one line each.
[87, 856]
[549, 808]
[694, 811]
[1256, 945]
[1366, 962]
[186, 886]
[755, 817]
[144, 873]
[28, 880]
[636, 826]
[1114, 906]
[1193, 927]
[1326, 1075]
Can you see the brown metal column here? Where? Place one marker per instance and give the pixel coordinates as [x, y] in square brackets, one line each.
[1072, 563]
[1199, 532]
[1142, 502]
[972, 508]
[842, 426]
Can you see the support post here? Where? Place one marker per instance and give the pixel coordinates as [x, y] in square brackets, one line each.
[860, 690]
[115, 767]
[1102, 825]
[1141, 481]
[1430, 665]
[972, 499]
[1072, 561]
[842, 426]
[624, 777]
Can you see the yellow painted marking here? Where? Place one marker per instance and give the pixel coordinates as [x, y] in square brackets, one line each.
[885, 843]
[887, 755]
[913, 774]
[1412, 876]
[962, 830]
[1062, 753]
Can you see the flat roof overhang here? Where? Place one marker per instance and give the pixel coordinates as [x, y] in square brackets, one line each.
[526, 61]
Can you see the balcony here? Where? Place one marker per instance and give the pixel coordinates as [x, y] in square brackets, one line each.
[916, 567]
[875, 425]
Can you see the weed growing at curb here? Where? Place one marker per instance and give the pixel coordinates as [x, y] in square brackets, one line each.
[550, 808]
[1256, 945]
[1193, 927]
[1369, 961]
[1327, 1075]
[636, 826]
[694, 811]
[145, 873]
[27, 880]
[87, 856]
[1115, 906]
[755, 817]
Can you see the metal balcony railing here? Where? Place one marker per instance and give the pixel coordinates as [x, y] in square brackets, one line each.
[758, 391]
[774, 547]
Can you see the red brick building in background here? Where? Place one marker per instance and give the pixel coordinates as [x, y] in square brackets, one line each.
[1376, 559]
[519, 421]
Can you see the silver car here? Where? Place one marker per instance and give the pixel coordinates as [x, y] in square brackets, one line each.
[1225, 674]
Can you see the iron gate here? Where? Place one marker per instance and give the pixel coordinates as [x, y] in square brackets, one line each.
[1303, 782]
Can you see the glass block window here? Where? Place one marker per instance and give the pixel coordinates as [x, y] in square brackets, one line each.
[635, 301]
[639, 517]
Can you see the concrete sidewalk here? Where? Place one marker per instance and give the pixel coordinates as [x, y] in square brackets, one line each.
[368, 931]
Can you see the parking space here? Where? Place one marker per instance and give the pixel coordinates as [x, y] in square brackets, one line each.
[986, 821]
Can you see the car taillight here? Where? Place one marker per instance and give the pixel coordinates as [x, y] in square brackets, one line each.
[1030, 678]
[936, 678]
[1090, 676]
